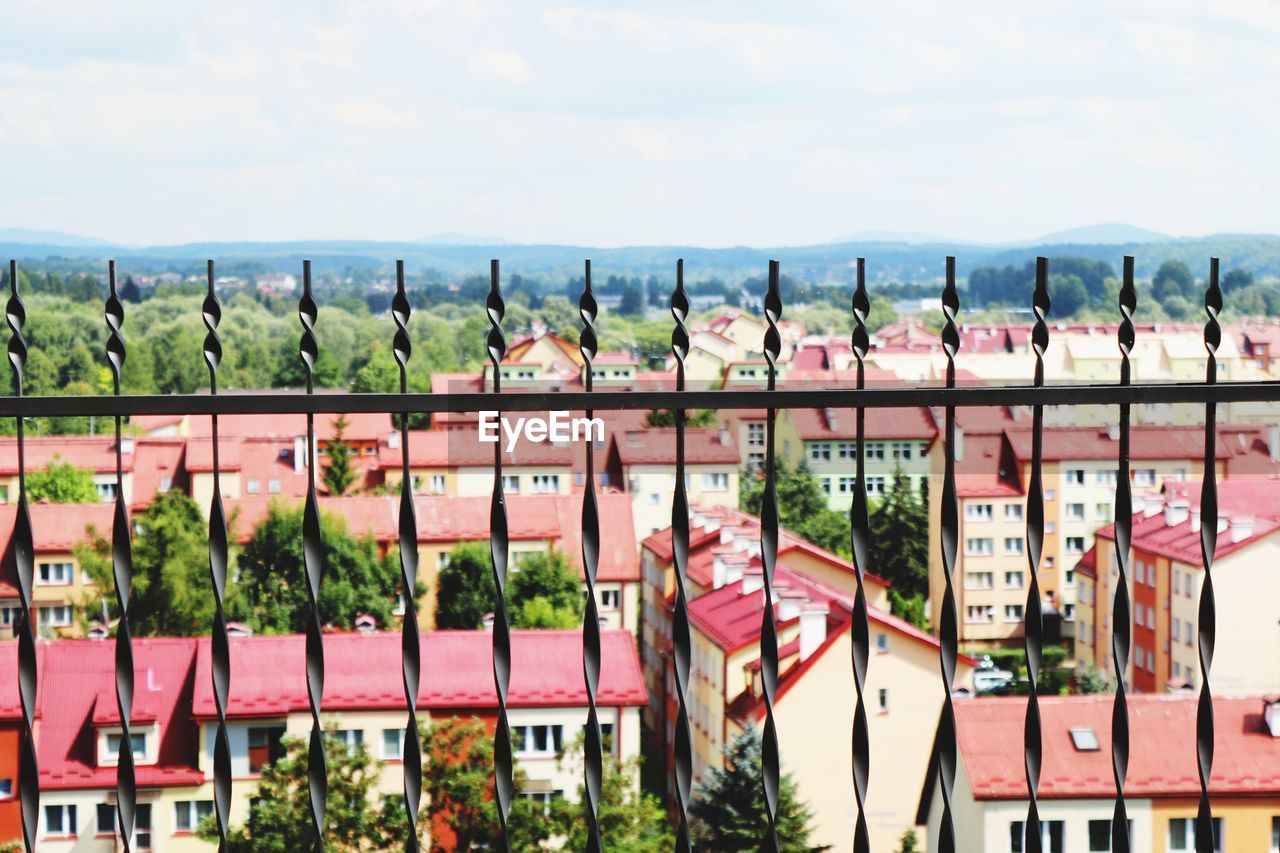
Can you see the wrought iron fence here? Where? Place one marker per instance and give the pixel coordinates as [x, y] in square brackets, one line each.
[772, 398]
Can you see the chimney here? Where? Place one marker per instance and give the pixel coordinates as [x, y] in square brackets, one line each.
[1113, 432]
[299, 452]
[1151, 506]
[959, 443]
[1241, 528]
[487, 622]
[740, 543]
[732, 574]
[789, 605]
[711, 524]
[752, 579]
[366, 624]
[697, 519]
[1195, 520]
[717, 572]
[393, 439]
[1222, 524]
[726, 535]
[1273, 442]
[724, 436]
[830, 414]
[126, 444]
[1175, 512]
[1271, 714]
[813, 628]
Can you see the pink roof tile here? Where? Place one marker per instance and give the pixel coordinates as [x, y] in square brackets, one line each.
[703, 446]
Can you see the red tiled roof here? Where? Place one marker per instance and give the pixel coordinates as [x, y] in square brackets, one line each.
[985, 469]
[813, 425]
[1088, 565]
[56, 528]
[702, 446]
[361, 426]
[362, 672]
[78, 676]
[1246, 757]
[1146, 442]
[455, 448]
[155, 459]
[1257, 496]
[1180, 542]
[97, 453]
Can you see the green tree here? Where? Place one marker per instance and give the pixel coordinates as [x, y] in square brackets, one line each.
[1237, 279]
[882, 313]
[280, 809]
[62, 483]
[898, 553]
[802, 507]
[379, 375]
[545, 593]
[1177, 307]
[908, 843]
[464, 587]
[1068, 294]
[338, 475]
[631, 821]
[659, 418]
[273, 589]
[632, 304]
[1173, 278]
[171, 595]
[728, 806]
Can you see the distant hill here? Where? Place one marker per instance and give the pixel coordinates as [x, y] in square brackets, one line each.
[1107, 234]
[911, 238]
[33, 237]
[453, 238]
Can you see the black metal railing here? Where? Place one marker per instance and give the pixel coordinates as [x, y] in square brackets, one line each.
[772, 398]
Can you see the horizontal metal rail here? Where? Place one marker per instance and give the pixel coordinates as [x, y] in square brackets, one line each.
[534, 401]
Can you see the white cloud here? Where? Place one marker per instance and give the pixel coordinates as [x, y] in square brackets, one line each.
[504, 66]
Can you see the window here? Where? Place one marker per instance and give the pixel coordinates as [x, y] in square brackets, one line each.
[106, 492]
[106, 819]
[437, 484]
[252, 487]
[978, 546]
[543, 797]
[1069, 577]
[350, 738]
[875, 450]
[264, 746]
[755, 435]
[1013, 613]
[60, 821]
[187, 814]
[1074, 476]
[56, 616]
[978, 580]
[9, 615]
[979, 614]
[136, 740]
[882, 643]
[1075, 512]
[1275, 835]
[846, 485]
[875, 485]
[884, 700]
[1075, 544]
[1144, 476]
[6, 789]
[1013, 512]
[1013, 544]
[56, 573]
[1102, 511]
[1106, 477]
[1050, 527]
[819, 453]
[1100, 835]
[546, 483]
[1177, 630]
[901, 450]
[1179, 475]
[1050, 494]
[978, 512]
[847, 450]
[1014, 579]
[393, 744]
[539, 740]
[610, 599]
[1182, 833]
[1069, 612]
[273, 486]
[715, 482]
[1052, 834]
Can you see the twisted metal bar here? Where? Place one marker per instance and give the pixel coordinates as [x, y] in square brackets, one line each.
[313, 563]
[948, 645]
[411, 648]
[1033, 616]
[122, 568]
[1208, 617]
[211, 311]
[593, 764]
[24, 563]
[770, 763]
[1122, 628]
[681, 645]
[503, 782]
[860, 537]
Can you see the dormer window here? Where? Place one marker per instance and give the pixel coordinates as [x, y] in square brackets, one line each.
[143, 738]
[116, 741]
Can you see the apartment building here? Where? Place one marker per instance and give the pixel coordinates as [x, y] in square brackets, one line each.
[1077, 793]
[78, 729]
[1166, 579]
[642, 462]
[60, 583]
[457, 463]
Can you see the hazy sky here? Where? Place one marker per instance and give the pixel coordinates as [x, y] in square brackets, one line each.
[609, 124]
